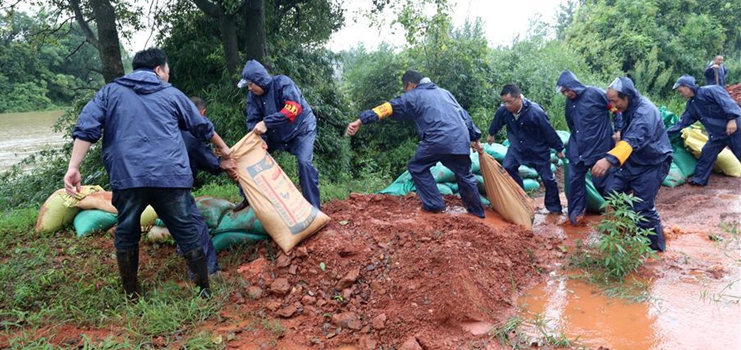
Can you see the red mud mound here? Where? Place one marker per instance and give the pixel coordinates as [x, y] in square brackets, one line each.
[383, 273]
[735, 92]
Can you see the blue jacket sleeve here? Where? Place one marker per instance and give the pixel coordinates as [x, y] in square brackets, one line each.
[399, 108]
[618, 122]
[549, 132]
[688, 118]
[497, 123]
[90, 122]
[288, 92]
[731, 109]
[474, 133]
[710, 74]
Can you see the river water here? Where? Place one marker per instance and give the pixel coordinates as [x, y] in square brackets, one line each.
[22, 134]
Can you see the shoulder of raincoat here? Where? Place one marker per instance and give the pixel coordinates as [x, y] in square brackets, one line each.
[140, 119]
[531, 136]
[443, 126]
[644, 131]
[713, 107]
[201, 156]
[282, 106]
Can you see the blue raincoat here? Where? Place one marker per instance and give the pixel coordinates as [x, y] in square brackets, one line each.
[445, 131]
[588, 119]
[648, 163]
[531, 137]
[710, 75]
[140, 118]
[713, 107]
[290, 128]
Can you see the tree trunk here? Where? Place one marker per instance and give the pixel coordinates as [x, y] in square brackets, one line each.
[108, 45]
[228, 25]
[256, 43]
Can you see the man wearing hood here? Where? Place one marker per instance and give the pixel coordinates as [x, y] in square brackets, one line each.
[643, 155]
[276, 109]
[531, 137]
[588, 118]
[140, 117]
[446, 132]
[719, 113]
[716, 72]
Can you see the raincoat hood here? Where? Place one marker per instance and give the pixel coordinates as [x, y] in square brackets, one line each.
[569, 81]
[686, 80]
[255, 72]
[142, 81]
[625, 86]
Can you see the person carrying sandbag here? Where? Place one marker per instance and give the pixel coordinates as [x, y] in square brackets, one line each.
[643, 155]
[531, 136]
[139, 117]
[719, 113]
[588, 117]
[445, 130]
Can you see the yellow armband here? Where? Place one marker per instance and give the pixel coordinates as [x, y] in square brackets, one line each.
[384, 110]
[621, 151]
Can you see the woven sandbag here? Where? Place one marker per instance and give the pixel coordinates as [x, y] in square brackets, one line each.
[59, 209]
[506, 196]
[93, 221]
[282, 210]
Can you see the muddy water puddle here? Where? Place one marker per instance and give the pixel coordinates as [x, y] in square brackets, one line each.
[689, 299]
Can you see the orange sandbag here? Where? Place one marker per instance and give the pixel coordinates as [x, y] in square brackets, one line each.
[284, 213]
[506, 196]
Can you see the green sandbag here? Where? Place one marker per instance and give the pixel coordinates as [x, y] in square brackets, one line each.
[668, 117]
[564, 136]
[244, 220]
[595, 201]
[527, 172]
[480, 184]
[675, 177]
[212, 209]
[684, 160]
[92, 221]
[475, 166]
[401, 186]
[226, 240]
[453, 186]
[485, 201]
[531, 185]
[496, 150]
[553, 167]
[444, 189]
[442, 173]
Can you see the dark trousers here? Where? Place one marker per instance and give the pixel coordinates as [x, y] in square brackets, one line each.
[645, 186]
[552, 201]
[205, 236]
[173, 207]
[302, 147]
[577, 193]
[460, 164]
[710, 153]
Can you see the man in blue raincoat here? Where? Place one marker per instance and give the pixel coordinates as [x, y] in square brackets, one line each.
[276, 108]
[719, 113]
[643, 155]
[446, 132]
[140, 117]
[202, 158]
[531, 137]
[716, 72]
[588, 118]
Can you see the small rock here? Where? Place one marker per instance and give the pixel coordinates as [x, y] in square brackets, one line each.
[280, 286]
[349, 278]
[238, 298]
[283, 261]
[347, 320]
[346, 294]
[367, 343]
[293, 269]
[411, 344]
[308, 300]
[379, 322]
[302, 252]
[272, 305]
[321, 302]
[287, 311]
[254, 292]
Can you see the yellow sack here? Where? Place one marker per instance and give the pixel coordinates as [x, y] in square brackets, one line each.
[726, 163]
[59, 209]
[101, 200]
[506, 196]
[284, 213]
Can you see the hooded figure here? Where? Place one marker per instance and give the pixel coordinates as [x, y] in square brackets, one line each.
[531, 138]
[643, 155]
[719, 113]
[588, 118]
[140, 117]
[716, 72]
[277, 109]
[446, 133]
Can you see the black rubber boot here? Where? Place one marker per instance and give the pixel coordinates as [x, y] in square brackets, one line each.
[197, 264]
[128, 268]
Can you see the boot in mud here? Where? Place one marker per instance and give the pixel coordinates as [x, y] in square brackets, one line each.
[128, 267]
[197, 264]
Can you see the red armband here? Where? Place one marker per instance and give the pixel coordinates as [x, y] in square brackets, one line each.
[291, 110]
[611, 108]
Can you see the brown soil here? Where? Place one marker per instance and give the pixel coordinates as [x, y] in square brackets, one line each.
[735, 92]
[393, 274]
